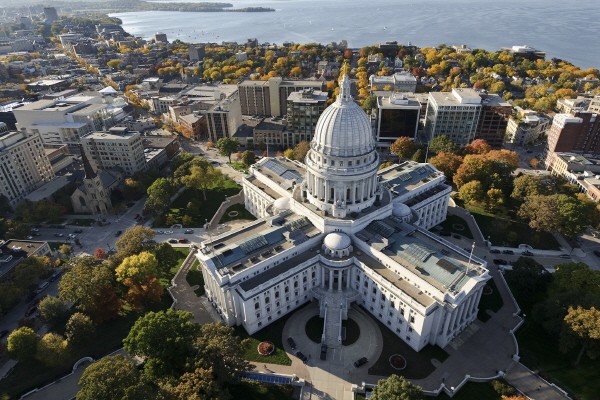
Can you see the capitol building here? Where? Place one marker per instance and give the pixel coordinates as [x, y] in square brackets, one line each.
[337, 231]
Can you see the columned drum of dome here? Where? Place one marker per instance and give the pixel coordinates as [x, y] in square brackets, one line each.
[342, 162]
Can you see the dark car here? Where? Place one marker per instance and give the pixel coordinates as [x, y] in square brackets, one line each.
[323, 352]
[3, 333]
[527, 253]
[292, 343]
[55, 276]
[508, 252]
[78, 231]
[499, 261]
[173, 241]
[597, 253]
[495, 251]
[565, 256]
[188, 231]
[445, 233]
[301, 356]
[183, 240]
[118, 233]
[360, 362]
[31, 311]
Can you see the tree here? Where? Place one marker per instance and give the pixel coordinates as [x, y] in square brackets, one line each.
[495, 198]
[29, 271]
[228, 146]
[79, 330]
[165, 338]
[219, 348]
[112, 377]
[369, 103]
[134, 240]
[448, 163]
[248, 158]
[478, 146]
[203, 178]
[159, 196]
[196, 385]
[441, 144]
[114, 64]
[396, 388]
[52, 350]
[138, 273]
[491, 172]
[301, 150]
[527, 185]
[167, 258]
[403, 147]
[52, 309]
[471, 192]
[22, 343]
[418, 156]
[100, 254]
[65, 249]
[289, 153]
[89, 285]
[584, 324]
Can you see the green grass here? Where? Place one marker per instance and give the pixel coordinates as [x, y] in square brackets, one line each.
[503, 231]
[491, 301]
[194, 277]
[249, 390]
[451, 223]
[474, 391]
[201, 210]
[82, 222]
[314, 328]
[271, 333]
[238, 166]
[242, 214]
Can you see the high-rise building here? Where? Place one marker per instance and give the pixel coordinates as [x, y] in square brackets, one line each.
[526, 127]
[24, 165]
[397, 115]
[303, 110]
[160, 37]
[495, 112]
[454, 114]
[336, 231]
[196, 52]
[269, 98]
[117, 148]
[578, 132]
[224, 118]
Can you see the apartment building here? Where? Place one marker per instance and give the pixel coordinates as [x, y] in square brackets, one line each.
[493, 120]
[116, 148]
[24, 166]
[303, 110]
[526, 127]
[454, 114]
[578, 132]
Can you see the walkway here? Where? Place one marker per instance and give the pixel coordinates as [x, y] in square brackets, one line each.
[532, 385]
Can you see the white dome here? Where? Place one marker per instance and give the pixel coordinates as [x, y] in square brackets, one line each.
[282, 203]
[401, 210]
[337, 241]
[343, 129]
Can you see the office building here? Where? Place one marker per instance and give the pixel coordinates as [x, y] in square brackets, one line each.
[578, 133]
[493, 119]
[454, 115]
[117, 148]
[399, 82]
[303, 110]
[397, 116]
[224, 118]
[526, 127]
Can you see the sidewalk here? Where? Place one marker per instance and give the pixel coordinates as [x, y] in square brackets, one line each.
[532, 385]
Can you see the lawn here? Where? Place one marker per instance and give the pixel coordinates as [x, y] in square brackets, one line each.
[191, 204]
[314, 328]
[249, 390]
[492, 301]
[419, 364]
[502, 231]
[238, 166]
[194, 277]
[456, 224]
[271, 333]
[82, 222]
[242, 214]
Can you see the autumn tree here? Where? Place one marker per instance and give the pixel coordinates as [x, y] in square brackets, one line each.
[22, 344]
[477, 146]
[448, 163]
[403, 147]
[300, 150]
[138, 273]
[65, 249]
[198, 384]
[113, 377]
[472, 192]
[134, 240]
[584, 326]
[396, 388]
[289, 153]
[100, 253]
[52, 350]
[228, 146]
[527, 185]
[203, 178]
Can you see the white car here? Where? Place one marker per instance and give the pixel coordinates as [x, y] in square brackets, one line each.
[72, 236]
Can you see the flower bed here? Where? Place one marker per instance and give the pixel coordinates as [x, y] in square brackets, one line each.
[265, 348]
[397, 362]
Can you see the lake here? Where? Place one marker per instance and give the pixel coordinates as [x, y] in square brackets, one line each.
[566, 29]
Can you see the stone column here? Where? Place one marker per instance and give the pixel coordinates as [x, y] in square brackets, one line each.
[348, 276]
[447, 323]
[339, 281]
[322, 277]
[330, 280]
[453, 319]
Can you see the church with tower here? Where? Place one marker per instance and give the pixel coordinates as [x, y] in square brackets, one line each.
[338, 231]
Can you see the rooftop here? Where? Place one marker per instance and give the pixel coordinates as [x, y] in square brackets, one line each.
[285, 173]
[402, 178]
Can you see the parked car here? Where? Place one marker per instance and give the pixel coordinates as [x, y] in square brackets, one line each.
[41, 287]
[360, 362]
[495, 251]
[445, 233]
[29, 237]
[30, 311]
[323, 352]
[508, 252]
[78, 231]
[35, 230]
[499, 261]
[72, 236]
[527, 253]
[118, 233]
[173, 241]
[292, 343]
[59, 234]
[301, 356]
[188, 231]
[565, 256]
[183, 240]
[55, 275]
